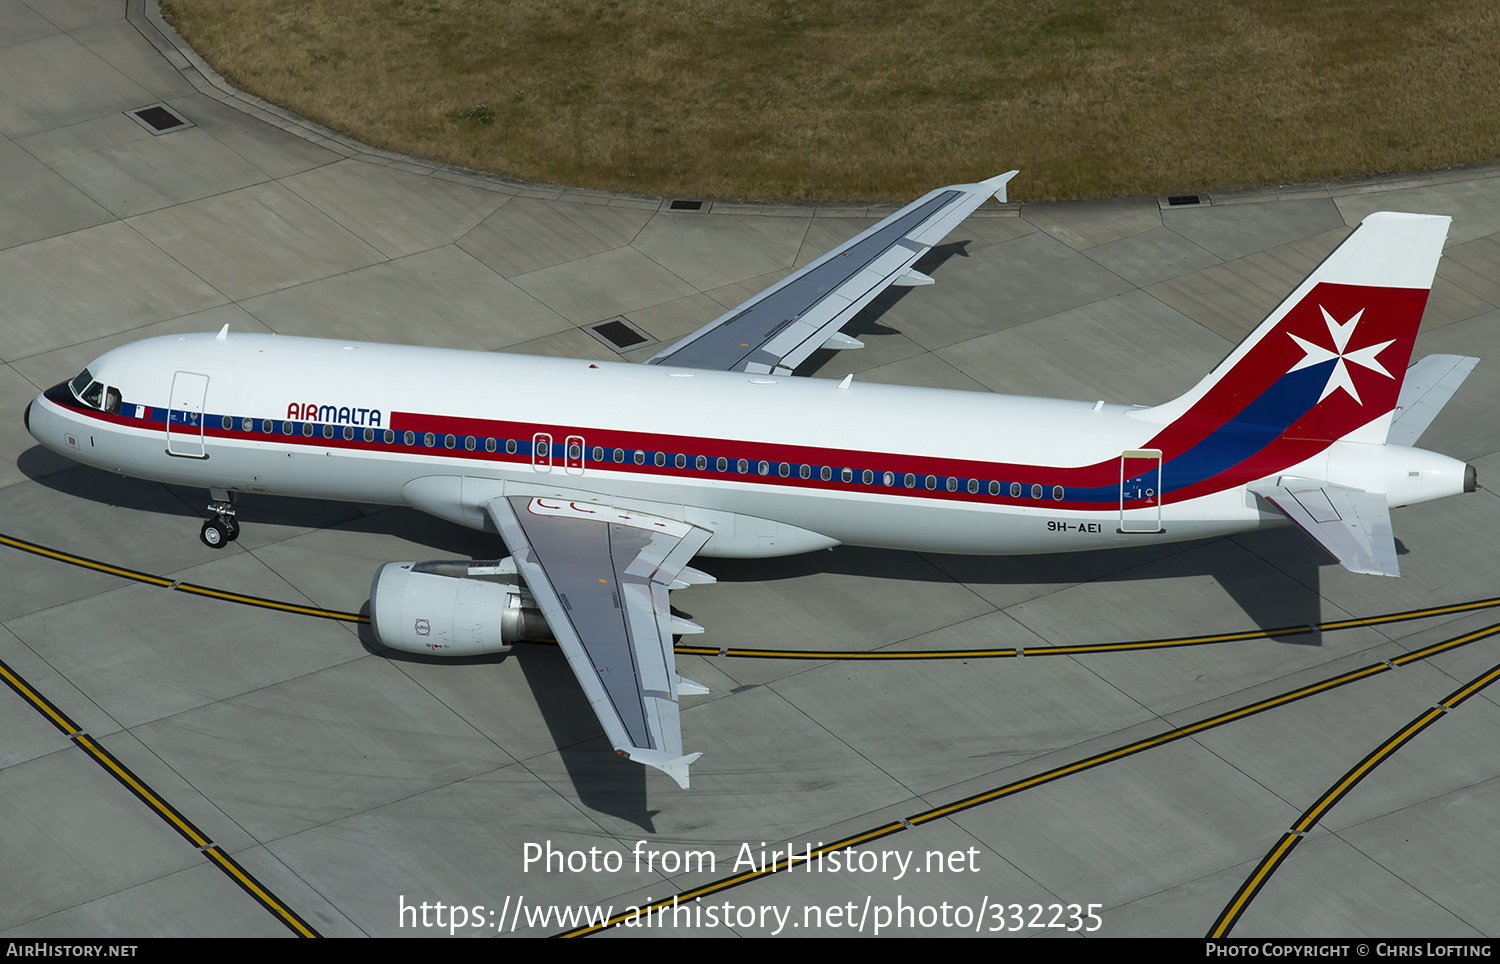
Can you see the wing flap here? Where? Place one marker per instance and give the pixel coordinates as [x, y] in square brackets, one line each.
[779, 328]
[600, 575]
[1353, 525]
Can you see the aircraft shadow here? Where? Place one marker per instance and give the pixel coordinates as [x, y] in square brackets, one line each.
[1270, 602]
[867, 322]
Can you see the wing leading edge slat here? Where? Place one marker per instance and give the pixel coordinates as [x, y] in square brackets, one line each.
[779, 328]
[600, 575]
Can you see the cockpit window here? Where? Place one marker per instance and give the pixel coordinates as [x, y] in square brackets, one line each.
[95, 394]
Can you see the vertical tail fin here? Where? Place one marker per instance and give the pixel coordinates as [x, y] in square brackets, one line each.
[1328, 363]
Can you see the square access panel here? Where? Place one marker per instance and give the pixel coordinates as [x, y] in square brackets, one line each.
[619, 334]
[159, 119]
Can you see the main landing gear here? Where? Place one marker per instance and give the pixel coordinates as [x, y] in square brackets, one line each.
[222, 529]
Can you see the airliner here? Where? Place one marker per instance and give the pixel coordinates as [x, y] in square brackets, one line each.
[605, 480]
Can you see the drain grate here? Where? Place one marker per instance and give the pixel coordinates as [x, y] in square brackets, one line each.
[685, 204]
[158, 118]
[1178, 200]
[619, 334]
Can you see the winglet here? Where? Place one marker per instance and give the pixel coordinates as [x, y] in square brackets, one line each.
[674, 767]
[999, 184]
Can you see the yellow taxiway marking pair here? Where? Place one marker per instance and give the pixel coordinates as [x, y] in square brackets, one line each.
[1283, 848]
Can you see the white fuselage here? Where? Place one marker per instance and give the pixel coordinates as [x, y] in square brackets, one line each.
[770, 465]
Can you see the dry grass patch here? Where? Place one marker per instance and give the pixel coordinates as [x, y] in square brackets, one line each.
[873, 100]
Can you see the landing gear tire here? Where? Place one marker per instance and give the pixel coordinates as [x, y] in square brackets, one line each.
[215, 535]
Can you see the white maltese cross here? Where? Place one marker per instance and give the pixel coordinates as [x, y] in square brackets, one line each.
[1339, 377]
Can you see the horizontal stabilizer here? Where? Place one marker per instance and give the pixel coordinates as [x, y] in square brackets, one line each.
[1429, 384]
[1352, 524]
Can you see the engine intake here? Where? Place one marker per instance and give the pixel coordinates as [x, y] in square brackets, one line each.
[453, 608]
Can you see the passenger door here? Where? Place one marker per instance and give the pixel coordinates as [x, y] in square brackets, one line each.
[185, 415]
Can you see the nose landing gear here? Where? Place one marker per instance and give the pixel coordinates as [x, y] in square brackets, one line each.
[222, 529]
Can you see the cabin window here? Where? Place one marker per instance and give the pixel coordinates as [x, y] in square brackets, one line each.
[510, 446]
[1036, 491]
[742, 466]
[805, 471]
[328, 431]
[227, 422]
[847, 475]
[489, 445]
[598, 454]
[640, 457]
[429, 440]
[286, 428]
[469, 442]
[722, 464]
[348, 433]
[764, 468]
[888, 479]
[784, 470]
[825, 473]
[410, 438]
[369, 435]
[265, 425]
[390, 437]
[952, 484]
[1015, 490]
[619, 455]
[661, 458]
[449, 441]
[909, 481]
[867, 476]
[931, 482]
[1057, 493]
[994, 488]
[247, 424]
[973, 485]
[680, 461]
[307, 429]
[701, 463]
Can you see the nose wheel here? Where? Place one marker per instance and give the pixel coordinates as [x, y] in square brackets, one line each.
[222, 529]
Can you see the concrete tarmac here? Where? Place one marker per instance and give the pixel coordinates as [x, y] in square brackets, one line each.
[350, 783]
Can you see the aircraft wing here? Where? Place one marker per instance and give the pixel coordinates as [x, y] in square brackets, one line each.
[1352, 524]
[777, 330]
[600, 575]
[1428, 386]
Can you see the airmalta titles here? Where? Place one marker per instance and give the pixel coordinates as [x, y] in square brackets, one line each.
[312, 412]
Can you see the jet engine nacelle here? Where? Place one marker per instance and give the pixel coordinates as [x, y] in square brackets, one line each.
[454, 608]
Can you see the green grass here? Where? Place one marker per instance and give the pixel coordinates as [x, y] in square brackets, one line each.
[873, 100]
